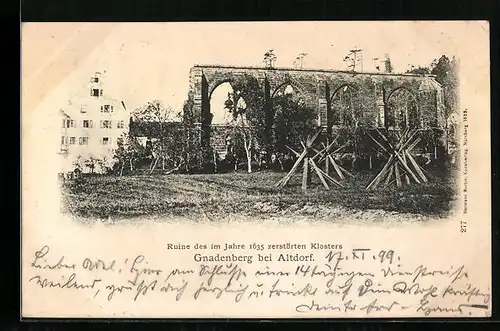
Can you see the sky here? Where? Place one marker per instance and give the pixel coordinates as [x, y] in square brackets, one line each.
[146, 61]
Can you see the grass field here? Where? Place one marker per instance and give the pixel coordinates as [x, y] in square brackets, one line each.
[249, 195]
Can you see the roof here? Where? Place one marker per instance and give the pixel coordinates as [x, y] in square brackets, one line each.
[63, 113]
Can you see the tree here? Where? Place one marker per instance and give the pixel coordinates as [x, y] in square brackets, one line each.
[126, 152]
[419, 71]
[91, 162]
[388, 65]
[163, 135]
[446, 72]
[356, 109]
[246, 104]
[269, 58]
[353, 59]
[192, 138]
[293, 123]
[299, 61]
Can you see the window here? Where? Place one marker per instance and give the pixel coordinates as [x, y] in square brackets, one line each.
[94, 80]
[83, 109]
[72, 140]
[106, 124]
[68, 124]
[342, 107]
[120, 124]
[87, 123]
[63, 140]
[402, 111]
[106, 108]
[83, 140]
[106, 141]
[94, 92]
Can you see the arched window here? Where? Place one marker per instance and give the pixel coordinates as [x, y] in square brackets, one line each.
[342, 106]
[402, 110]
[217, 104]
[286, 90]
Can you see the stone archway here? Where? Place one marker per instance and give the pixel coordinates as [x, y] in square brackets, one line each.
[402, 109]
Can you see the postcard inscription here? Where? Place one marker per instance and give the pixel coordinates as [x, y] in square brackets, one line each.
[320, 278]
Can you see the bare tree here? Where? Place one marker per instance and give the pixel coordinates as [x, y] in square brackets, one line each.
[158, 118]
[388, 65]
[246, 104]
[299, 61]
[354, 59]
[269, 58]
[236, 105]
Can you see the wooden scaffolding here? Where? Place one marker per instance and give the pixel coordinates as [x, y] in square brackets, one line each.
[307, 159]
[400, 163]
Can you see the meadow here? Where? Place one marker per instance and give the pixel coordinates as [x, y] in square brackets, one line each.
[217, 196]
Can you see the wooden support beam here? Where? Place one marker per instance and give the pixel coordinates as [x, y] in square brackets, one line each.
[413, 144]
[376, 141]
[417, 167]
[330, 178]
[406, 175]
[405, 167]
[385, 139]
[388, 178]
[313, 139]
[345, 171]
[336, 167]
[305, 173]
[375, 181]
[396, 171]
[293, 151]
[318, 172]
[289, 175]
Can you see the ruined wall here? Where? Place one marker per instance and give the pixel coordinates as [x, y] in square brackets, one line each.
[317, 89]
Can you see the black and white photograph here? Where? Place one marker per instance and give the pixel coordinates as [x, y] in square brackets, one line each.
[296, 169]
[325, 129]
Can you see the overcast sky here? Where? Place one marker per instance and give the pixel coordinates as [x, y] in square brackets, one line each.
[146, 61]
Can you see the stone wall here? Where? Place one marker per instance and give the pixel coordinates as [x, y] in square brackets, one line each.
[317, 89]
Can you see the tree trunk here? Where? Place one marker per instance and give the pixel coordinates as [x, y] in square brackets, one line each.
[154, 165]
[249, 161]
[247, 141]
[121, 170]
[249, 157]
[163, 162]
[215, 162]
[131, 165]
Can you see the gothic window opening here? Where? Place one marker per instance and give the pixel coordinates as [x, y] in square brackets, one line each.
[402, 110]
[342, 107]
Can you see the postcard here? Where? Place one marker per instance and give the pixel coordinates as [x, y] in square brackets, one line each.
[301, 169]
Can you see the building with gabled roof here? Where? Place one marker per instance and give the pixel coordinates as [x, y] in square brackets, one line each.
[92, 123]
